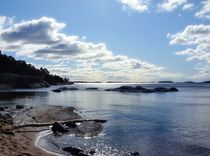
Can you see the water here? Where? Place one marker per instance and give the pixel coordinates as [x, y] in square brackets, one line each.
[162, 124]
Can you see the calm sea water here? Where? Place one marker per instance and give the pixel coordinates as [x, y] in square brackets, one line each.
[153, 124]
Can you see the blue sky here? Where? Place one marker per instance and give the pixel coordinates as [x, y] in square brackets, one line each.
[137, 31]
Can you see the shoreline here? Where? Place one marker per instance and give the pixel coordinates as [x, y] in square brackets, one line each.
[24, 141]
[22, 144]
[37, 138]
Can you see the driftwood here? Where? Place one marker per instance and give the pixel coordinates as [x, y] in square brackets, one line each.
[61, 122]
[32, 131]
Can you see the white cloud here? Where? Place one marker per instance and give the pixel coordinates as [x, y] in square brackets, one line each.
[192, 35]
[197, 37]
[188, 6]
[170, 5]
[73, 55]
[204, 13]
[135, 5]
[5, 21]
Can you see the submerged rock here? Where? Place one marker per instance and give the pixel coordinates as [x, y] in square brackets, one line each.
[134, 153]
[92, 88]
[88, 129]
[59, 128]
[56, 90]
[19, 106]
[1, 108]
[75, 151]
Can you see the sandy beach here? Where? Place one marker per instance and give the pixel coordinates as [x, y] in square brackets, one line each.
[21, 141]
[21, 144]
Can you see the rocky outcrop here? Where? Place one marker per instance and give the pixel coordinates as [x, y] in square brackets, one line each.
[89, 129]
[57, 127]
[141, 89]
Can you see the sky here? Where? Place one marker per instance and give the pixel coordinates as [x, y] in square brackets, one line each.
[110, 40]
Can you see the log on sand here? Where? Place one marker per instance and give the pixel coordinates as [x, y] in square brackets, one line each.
[61, 122]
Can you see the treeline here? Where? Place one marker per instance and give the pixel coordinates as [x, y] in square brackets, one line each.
[12, 70]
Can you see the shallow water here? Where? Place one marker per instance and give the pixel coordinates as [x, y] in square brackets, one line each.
[162, 124]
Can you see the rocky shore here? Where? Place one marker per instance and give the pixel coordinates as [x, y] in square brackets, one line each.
[20, 126]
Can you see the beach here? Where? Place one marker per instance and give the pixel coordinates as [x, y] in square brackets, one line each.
[16, 141]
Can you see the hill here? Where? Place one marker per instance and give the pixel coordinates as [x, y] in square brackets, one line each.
[18, 74]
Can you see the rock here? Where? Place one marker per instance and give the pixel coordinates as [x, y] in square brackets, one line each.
[139, 88]
[134, 153]
[92, 88]
[59, 128]
[88, 129]
[71, 125]
[19, 106]
[75, 151]
[56, 90]
[160, 89]
[92, 152]
[5, 107]
[142, 90]
[73, 88]
[1, 108]
[173, 89]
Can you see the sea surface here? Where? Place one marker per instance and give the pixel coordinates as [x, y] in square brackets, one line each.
[156, 124]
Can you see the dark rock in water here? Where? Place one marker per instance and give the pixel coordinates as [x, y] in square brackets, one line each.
[197, 150]
[88, 129]
[92, 152]
[5, 107]
[59, 128]
[160, 89]
[1, 108]
[75, 151]
[72, 88]
[71, 125]
[92, 88]
[173, 89]
[56, 90]
[142, 90]
[134, 153]
[19, 106]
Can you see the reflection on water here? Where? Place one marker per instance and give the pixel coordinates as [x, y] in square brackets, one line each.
[152, 124]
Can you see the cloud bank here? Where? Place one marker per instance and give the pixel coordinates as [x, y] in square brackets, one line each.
[72, 55]
[197, 38]
[204, 13]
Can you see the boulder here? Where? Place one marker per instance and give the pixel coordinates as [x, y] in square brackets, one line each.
[71, 124]
[19, 106]
[56, 90]
[88, 129]
[173, 89]
[75, 151]
[134, 153]
[1, 108]
[57, 127]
